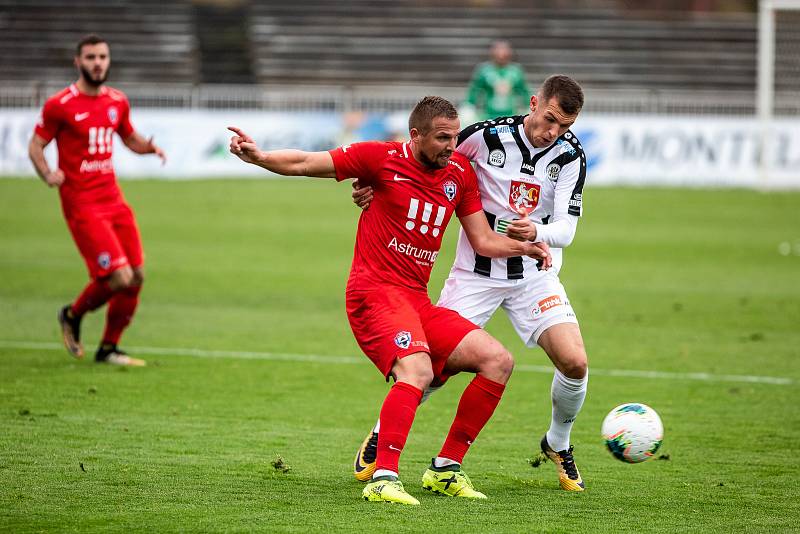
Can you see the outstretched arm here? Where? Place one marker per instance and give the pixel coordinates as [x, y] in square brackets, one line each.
[284, 162]
[140, 145]
[488, 243]
[36, 153]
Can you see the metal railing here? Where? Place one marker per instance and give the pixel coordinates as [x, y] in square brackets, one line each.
[396, 98]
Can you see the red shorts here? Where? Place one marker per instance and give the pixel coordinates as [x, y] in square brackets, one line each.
[107, 238]
[391, 322]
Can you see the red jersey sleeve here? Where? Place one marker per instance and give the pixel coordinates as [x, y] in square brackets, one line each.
[471, 199]
[359, 160]
[125, 128]
[50, 120]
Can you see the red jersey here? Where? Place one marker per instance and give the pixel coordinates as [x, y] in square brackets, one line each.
[83, 127]
[400, 235]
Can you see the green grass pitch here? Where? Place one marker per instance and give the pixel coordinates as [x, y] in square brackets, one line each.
[674, 281]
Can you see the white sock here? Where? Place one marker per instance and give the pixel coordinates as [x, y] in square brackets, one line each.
[384, 473]
[567, 395]
[425, 394]
[440, 462]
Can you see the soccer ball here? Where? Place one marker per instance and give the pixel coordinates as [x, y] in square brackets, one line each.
[632, 432]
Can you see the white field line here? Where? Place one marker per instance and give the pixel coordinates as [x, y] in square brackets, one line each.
[316, 358]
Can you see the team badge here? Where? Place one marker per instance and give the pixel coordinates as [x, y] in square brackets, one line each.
[450, 190]
[497, 158]
[104, 260]
[523, 196]
[552, 171]
[546, 304]
[113, 115]
[403, 339]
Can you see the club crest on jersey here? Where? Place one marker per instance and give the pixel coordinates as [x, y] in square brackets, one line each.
[450, 189]
[104, 260]
[113, 114]
[552, 171]
[524, 196]
[403, 339]
[497, 158]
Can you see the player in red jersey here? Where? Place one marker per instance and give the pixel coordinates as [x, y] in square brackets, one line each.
[83, 119]
[418, 185]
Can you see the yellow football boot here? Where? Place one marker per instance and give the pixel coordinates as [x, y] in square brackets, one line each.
[364, 464]
[387, 489]
[451, 481]
[568, 475]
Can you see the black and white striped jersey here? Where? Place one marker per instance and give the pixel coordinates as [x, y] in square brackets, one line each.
[512, 174]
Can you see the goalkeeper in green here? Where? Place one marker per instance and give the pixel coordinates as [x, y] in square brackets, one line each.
[498, 87]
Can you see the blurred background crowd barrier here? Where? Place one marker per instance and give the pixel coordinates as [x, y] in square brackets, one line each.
[671, 87]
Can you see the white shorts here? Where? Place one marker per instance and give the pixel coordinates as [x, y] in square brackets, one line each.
[532, 304]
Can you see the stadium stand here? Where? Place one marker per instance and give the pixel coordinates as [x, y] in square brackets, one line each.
[326, 42]
[152, 41]
[273, 51]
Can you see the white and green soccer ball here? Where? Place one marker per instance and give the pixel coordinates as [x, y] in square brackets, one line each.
[632, 432]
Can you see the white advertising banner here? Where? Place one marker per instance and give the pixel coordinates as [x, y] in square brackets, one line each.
[689, 151]
[633, 150]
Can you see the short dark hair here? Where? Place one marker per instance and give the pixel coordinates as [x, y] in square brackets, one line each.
[566, 90]
[428, 109]
[91, 39]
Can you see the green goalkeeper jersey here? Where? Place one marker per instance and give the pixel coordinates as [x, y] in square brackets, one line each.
[498, 91]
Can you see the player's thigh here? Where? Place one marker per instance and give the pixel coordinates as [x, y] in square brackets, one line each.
[386, 325]
[563, 343]
[127, 232]
[471, 295]
[444, 329]
[98, 244]
[536, 305]
[479, 352]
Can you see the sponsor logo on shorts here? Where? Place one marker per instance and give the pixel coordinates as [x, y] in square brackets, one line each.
[403, 339]
[546, 304]
[104, 260]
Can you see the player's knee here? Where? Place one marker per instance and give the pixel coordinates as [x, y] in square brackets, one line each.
[416, 371]
[121, 279]
[497, 364]
[574, 366]
[138, 277]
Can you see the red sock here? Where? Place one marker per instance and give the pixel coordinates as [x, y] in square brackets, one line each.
[93, 296]
[397, 414]
[121, 307]
[476, 406]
